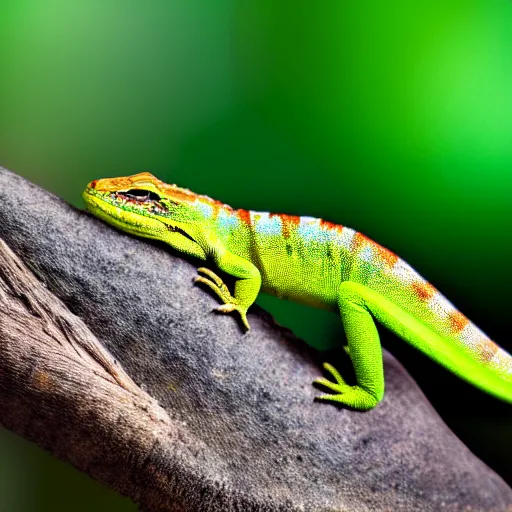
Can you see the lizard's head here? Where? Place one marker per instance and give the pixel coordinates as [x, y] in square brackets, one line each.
[145, 206]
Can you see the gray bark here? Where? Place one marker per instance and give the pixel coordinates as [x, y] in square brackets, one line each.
[192, 415]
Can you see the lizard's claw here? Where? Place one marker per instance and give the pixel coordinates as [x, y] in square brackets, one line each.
[228, 308]
[212, 275]
[215, 283]
[353, 396]
[339, 386]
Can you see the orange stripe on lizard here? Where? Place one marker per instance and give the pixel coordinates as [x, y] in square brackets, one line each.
[325, 224]
[289, 223]
[386, 256]
[360, 240]
[486, 350]
[217, 206]
[244, 216]
[181, 194]
[457, 321]
[424, 291]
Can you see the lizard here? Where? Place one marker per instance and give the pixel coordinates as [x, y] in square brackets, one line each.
[315, 262]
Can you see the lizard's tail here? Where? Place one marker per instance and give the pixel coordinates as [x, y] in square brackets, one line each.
[470, 354]
[478, 359]
[485, 364]
[496, 359]
[422, 316]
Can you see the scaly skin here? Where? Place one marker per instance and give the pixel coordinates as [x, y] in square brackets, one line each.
[314, 262]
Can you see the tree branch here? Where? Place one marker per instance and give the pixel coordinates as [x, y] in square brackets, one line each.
[236, 426]
[61, 388]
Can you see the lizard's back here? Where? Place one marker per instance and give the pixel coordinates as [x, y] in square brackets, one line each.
[306, 259]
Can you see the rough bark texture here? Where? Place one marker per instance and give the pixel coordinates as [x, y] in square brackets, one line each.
[237, 427]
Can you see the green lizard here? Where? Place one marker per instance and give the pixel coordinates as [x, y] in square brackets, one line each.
[314, 262]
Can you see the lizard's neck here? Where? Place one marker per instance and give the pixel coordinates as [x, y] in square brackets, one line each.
[236, 230]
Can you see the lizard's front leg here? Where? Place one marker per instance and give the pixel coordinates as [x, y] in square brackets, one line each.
[247, 285]
[364, 350]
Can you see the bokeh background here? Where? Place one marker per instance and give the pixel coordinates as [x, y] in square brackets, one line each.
[394, 118]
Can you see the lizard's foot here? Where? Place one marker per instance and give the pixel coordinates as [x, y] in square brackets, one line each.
[215, 283]
[353, 396]
[339, 386]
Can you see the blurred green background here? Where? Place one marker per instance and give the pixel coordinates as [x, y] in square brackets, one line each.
[394, 118]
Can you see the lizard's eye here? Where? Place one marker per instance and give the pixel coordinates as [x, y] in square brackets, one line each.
[140, 195]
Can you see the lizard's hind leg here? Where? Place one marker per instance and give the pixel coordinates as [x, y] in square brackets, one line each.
[364, 350]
